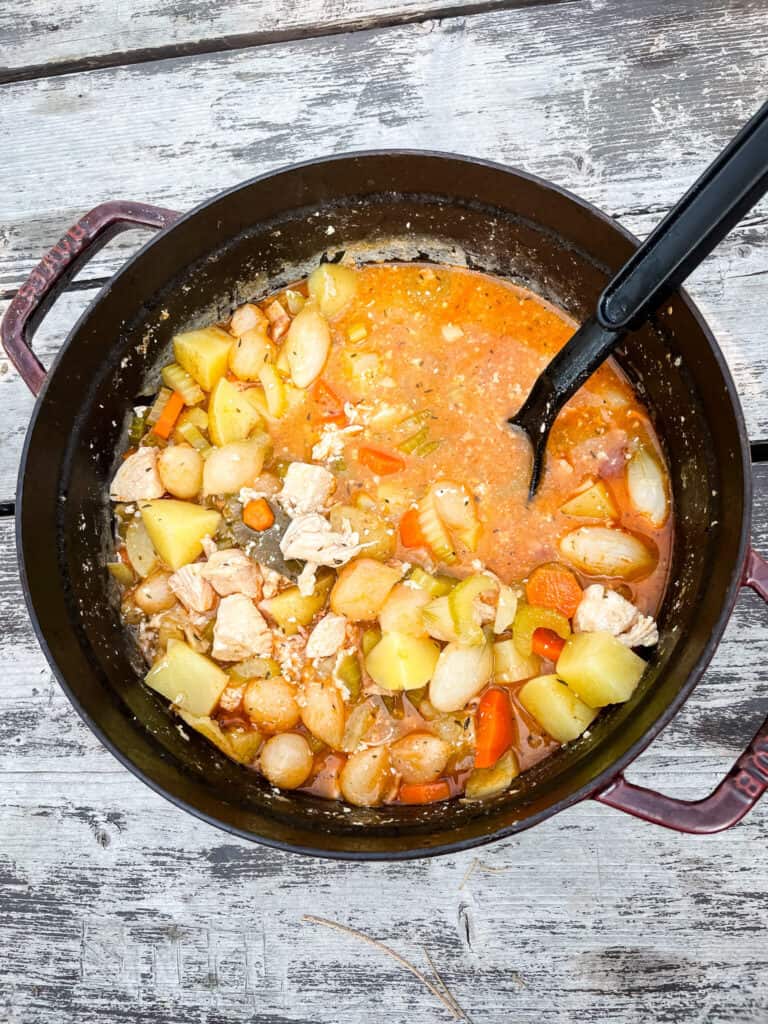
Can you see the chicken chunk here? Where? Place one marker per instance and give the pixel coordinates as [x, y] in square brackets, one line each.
[327, 637]
[311, 539]
[272, 581]
[306, 488]
[642, 633]
[602, 610]
[192, 589]
[231, 571]
[240, 630]
[138, 479]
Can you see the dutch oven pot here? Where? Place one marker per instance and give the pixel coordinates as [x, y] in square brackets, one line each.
[258, 237]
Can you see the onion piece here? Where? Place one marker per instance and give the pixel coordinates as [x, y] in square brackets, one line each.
[460, 674]
[506, 609]
[140, 549]
[602, 551]
[647, 487]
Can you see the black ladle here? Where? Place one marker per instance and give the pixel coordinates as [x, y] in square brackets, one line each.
[729, 187]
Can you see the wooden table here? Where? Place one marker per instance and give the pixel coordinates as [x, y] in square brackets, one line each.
[117, 907]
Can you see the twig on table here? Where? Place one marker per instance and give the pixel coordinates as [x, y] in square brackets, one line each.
[462, 1013]
[449, 1003]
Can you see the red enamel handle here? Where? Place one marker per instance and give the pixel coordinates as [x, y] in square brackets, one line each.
[57, 268]
[739, 791]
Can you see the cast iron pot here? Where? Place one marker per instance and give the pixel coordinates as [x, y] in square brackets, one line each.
[257, 237]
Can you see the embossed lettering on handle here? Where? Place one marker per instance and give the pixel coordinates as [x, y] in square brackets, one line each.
[57, 268]
[739, 791]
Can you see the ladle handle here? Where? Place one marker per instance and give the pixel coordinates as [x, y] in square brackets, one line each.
[729, 187]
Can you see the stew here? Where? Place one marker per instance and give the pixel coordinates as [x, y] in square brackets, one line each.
[324, 548]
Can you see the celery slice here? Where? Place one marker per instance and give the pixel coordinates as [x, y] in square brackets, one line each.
[531, 617]
[176, 378]
[461, 602]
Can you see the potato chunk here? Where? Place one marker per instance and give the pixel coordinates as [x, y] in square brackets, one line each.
[556, 708]
[241, 745]
[191, 681]
[203, 354]
[402, 662]
[596, 502]
[290, 609]
[231, 417]
[332, 286]
[600, 669]
[362, 588]
[177, 528]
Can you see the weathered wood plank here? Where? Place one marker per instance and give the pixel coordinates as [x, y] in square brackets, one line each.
[581, 94]
[114, 905]
[37, 37]
[624, 108]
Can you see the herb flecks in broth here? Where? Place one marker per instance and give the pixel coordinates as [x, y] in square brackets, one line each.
[442, 634]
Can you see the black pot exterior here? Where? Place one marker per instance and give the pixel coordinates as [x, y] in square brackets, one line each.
[252, 239]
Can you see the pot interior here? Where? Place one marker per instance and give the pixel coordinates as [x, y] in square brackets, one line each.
[253, 240]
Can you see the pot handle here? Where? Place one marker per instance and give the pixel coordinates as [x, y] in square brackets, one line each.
[739, 791]
[56, 269]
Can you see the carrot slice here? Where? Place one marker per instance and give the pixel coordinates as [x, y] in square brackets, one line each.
[258, 515]
[169, 415]
[331, 406]
[547, 644]
[494, 728]
[554, 586]
[380, 462]
[424, 793]
[411, 533]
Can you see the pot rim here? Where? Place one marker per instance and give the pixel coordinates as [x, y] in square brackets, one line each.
[605, 777]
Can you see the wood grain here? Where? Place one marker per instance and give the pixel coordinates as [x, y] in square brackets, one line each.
[624, 109]
[114, 905]
[94, 34]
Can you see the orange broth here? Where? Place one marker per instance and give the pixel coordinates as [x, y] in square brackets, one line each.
[467, 347]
